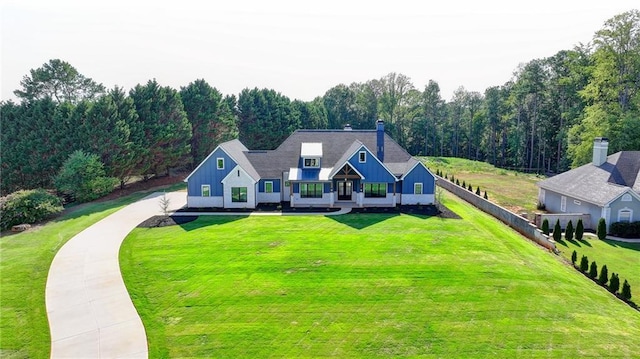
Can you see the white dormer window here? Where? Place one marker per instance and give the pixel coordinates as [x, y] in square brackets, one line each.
[626, 198]
[311, 163]
[362, 156]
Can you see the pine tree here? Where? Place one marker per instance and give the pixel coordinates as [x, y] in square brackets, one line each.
[579, 230]
[614, 283]
[593, 270]
[470, 189]
[626, 291]
[604, 276]
[584, 264]
[464, 184]
[545, 226]
[602, 229]
[568, 232]
[486, 196]
[478, 190]
[557, 231]
[574, 257]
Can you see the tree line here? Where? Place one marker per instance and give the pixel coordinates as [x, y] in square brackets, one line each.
[544, 119]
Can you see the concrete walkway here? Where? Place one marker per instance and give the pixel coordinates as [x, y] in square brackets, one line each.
[89, 310]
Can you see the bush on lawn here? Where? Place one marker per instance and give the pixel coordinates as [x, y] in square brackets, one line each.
[486, 196]
[574, 257]
[626, 291]
[557, 231]
[579, 230]
[568, 232]
[28, 206]
[545, 226]
[470, 189]
[464, 184]
[593, 270]
[604, 276]
[83, 176]
[614, 283]
[625, 230]
[602, 229]
[478, 190]
[584, 264]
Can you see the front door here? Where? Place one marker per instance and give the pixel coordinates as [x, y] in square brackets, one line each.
[344, 190]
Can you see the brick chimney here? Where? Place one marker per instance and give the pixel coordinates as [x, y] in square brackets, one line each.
[600, 148]
[380, 139]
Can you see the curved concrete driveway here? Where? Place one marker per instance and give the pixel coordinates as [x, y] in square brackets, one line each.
[89, 310]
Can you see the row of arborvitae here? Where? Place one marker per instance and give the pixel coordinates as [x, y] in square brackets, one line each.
[611, 283]
[569, 232]
[464, 184]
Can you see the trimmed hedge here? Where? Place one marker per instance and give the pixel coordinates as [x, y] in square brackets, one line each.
[28, 206]
[625, 230]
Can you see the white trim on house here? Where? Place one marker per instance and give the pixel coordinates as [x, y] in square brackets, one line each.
[419, 163]
[204, 161]
[628, 191]
[218, 159]
[563, 203]
[415, 190]
[626, 198]
[202, 190]
[337, 168]
[626, 209]
[238, 177]
[362, 156]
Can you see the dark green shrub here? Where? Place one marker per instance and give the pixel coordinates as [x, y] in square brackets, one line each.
[604, 276]
[574, 257]
[478, 190]
[470, 189]
[593, 270]
[614, 283]
[445, 176]
[457, 182]
[584, 264]
[557, 231]
[568, 232]
[464, 184]
[486, 196]
[602, 229]
[83, 176]
[579, 230]
[453, 179]
[625, 230]
[626, 291]
[545, 226]
[28, 206]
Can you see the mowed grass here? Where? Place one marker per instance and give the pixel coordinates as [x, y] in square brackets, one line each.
[620, 257]
[513, 190]
[366, 285]
[25, 259]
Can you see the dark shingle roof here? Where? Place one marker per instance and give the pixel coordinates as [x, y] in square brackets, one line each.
[236, 150]
[599, 184]
[335, 144]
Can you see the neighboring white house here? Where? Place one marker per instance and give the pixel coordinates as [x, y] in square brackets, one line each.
[608, 187]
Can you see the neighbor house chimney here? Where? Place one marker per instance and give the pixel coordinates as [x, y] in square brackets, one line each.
[600, 148]
[347, 127]
[380, 139]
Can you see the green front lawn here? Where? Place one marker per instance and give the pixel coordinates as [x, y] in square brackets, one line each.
[366, 285]
[622, 258]
[24, 265]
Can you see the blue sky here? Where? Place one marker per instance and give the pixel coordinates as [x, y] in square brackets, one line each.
[298, 48]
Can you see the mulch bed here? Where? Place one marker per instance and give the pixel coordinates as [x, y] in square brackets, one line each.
[165, 221]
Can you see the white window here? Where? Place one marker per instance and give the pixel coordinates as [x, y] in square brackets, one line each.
[625, 215]
[626, 198]
[238, 194]
[417, 188]
[362, 156]
[311, 163]
[563, 204]
[205, 190]
[220, 163]
[268, 187]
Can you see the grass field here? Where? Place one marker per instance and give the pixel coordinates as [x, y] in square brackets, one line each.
[366, 285]
[622, 258]
[24, 264]
[513, 190]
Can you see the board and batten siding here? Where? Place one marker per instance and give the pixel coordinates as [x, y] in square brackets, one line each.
[418, 174]
[207, 173]
[372, 170]
[274, 196]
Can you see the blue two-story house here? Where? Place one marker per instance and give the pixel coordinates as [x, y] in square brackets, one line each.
[319, 168]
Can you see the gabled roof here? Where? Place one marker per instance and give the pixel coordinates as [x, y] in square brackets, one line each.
[335, 145]
[599, 184]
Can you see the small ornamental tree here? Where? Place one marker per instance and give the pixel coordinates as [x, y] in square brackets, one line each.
[584, 264]
[602, 229]
[470, 189]
[486, 196]
[574, 258]
[557, 231]
[464, 184]
[446, 176]
[604, 276]
[626, 291]
[579, 230]
[478, 190]
[453, 179]
[457, 182]
[593, 270]
[545, 226]
[614, 283]
[568, 232]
